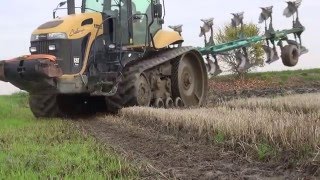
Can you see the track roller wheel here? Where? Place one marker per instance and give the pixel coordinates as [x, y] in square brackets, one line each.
[290, 55]
[178, 103]
[190, 79]
[169, 103]
[159, 103]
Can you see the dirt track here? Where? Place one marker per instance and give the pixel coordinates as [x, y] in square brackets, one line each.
[163, 156]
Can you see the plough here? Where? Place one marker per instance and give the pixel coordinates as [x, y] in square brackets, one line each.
[290, 52]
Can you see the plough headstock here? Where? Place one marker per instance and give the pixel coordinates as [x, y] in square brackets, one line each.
[291, 49]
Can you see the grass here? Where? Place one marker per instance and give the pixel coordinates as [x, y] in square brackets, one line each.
[264, 151]
[269, 130]
[51, 149]
[306, 75]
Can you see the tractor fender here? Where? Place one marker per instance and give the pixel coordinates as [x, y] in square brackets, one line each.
[165, 38]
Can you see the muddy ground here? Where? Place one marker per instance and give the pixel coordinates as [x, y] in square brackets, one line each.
[162, 156]
[225, 91]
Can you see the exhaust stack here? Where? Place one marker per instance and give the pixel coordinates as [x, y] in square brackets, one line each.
[71, 7]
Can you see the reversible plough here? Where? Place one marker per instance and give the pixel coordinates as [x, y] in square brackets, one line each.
[272, 38]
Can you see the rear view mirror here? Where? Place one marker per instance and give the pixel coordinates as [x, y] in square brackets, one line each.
[137, 17]
[62, 3]
[58, 6]
[158, 11]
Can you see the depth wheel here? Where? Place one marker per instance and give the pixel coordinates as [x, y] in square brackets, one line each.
[190, 80]
[290, 55]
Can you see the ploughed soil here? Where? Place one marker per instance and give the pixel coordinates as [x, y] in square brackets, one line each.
[224, 89]
[159, 155]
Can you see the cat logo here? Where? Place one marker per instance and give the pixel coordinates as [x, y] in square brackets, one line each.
[76, 61]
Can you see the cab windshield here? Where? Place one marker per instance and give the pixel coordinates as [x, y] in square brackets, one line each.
[100, 5]
[125, 12]
[138, 6]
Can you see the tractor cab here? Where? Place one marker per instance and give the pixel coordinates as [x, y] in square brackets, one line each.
[103, 27]
[128, 22]
[129, 30]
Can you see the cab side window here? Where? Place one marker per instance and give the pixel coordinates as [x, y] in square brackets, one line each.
[140, 25]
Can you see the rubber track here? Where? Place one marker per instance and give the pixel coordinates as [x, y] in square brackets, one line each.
[126, 95]
[161, 58]
[44, 106]
[174, 78]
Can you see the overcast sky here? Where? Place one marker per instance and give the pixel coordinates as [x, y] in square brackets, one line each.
[19, 18]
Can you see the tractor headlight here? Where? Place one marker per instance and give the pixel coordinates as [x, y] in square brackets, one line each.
[52, 47]
[35, 37]
[33, 49]
[57, 36]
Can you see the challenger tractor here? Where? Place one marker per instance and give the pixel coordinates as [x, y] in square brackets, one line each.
[115, 53]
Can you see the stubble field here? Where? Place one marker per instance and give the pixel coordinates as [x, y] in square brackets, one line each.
[254, 138]
[269, 127]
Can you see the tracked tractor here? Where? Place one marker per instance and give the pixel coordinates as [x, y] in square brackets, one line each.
[111, 55]
[115, 54]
